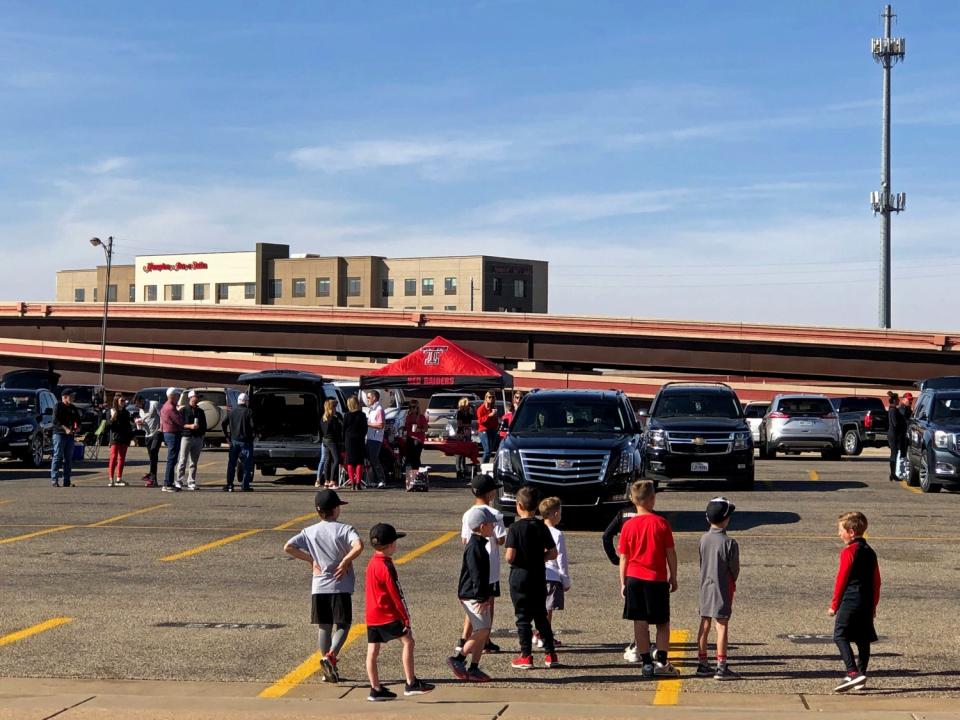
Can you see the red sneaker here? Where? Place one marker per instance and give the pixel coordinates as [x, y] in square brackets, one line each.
[550, 660]
[523, 662]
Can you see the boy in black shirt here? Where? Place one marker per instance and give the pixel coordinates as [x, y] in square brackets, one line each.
[529, 545]
[475, 593]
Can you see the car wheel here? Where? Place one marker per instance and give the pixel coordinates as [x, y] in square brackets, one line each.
[851, 442]
[926, 480]
[268, 470]
[33, 457]
[913, 473]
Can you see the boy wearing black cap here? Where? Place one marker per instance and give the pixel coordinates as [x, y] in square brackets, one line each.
[330, 547]
[719, 570]
[484, 489]
[387, 615]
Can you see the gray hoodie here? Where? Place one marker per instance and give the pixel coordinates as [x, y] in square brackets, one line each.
[151, 419]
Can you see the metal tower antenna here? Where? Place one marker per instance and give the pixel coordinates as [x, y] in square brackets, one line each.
[887, 51]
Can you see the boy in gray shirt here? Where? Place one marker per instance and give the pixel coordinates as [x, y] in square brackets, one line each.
[330, 547]
[719, 570]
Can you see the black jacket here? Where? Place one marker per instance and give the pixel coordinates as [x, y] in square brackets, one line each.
[240, 424]
[121, 427]
[191, 415]
[613, 529]
[332, 430]
[898, 425]
[65, 415]
[475, 570]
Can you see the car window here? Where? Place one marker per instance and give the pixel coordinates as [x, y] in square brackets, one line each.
[755, 410]
[446, 402]
[12, 402]
[857, 404]
[214, 396]
[82, 395]
[569, 415]
[698, 405]
[805, 406]
[946, 410]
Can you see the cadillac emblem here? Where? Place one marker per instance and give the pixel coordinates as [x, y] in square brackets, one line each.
[564, 464]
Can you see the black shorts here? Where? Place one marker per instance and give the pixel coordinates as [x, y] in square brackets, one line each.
[647, 600]
[386, 633]
[332, 609]
[495, 589]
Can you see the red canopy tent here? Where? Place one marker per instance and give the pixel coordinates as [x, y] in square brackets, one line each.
[440, 364]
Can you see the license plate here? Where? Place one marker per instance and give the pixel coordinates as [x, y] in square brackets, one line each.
[699, 467]
[805, 423]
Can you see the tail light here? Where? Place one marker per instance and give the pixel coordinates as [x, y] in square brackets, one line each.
[868, 419]
[829, 416]
[778, 415]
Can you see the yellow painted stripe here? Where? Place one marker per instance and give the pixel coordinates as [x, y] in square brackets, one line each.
[426, 547]
[116, 518]
[912, 489]
[38, 533]
[34, 630]
[209, 546]
[296, 521]
[668, 689]
[307, 668]
[4, 502]
[813, 475]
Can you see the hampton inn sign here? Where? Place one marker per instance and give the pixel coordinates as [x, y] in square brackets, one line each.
[157, 267]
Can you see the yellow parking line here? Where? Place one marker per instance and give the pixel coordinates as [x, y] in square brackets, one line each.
[209, 546]
[912, 489]
[668, 689]
[296, 521]
[38, 533]
[129, 514]
[34, 630]
[426, 547]
[813, 475]
[307, 668]
[4, 502]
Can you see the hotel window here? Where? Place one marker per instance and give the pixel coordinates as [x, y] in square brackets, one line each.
[427, 307]
[200, 291]
[323, 287]
[450, 308]
[150, 293]
[276, 289]
[497, 286]
[299, 287]
[173, 292]
[450, 286]
[79, 295]
[519, 288]
[223, 291]
[96, 294]
[249, 291]
[353, 287]
[410, 287]
[388, 288]
[132, 293]
[426, 286]
[112, 293]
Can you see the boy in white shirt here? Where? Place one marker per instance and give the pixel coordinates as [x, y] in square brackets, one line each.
[558, 570]
[484, 489]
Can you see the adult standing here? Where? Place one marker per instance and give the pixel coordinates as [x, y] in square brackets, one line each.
[509, 413]
[171, 425]
[66, 422]
[416, 427]
[242, 433]
[120, 425]
[375, 424]
[488, 423]
[331, 432]
[191, 444]
[149, 422]
[354, 441]
[906, 407]
[896, 432]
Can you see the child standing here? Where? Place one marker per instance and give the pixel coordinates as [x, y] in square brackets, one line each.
[558, 570]
[474, 592]
[648, 574]
[484, 489]
[719, 570]
[529, 546]
[630, 653]
[387, 615]
[331, 547]
[855, 597]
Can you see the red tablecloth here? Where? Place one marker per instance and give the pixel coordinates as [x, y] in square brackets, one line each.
[454, 448]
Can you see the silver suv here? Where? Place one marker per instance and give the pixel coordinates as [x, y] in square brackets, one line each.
[800, 423]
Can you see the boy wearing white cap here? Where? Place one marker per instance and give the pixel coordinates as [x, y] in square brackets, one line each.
[241, 428]
[719, 570]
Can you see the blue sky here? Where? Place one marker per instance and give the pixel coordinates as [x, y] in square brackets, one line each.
[690, 160]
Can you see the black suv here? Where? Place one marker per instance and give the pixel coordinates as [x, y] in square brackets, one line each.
[933, 438]
[581, 446]
[697, 430]
[26, 424]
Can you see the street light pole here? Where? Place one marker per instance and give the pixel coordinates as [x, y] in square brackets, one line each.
[108, 251]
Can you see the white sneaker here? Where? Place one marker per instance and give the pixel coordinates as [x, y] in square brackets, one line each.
[851, 682]
[381, 484]
[191, 487]
[666, 668]
[538, 641]
[630, 653]
[178, 485]
[110, 484]
[119, 483]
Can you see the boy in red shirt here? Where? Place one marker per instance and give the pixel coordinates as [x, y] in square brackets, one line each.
[648, 574]
[387, 615]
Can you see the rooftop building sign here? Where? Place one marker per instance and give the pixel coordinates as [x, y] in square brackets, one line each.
[157, 267]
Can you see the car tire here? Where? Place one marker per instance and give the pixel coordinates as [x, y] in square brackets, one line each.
[268, 470]
[851, 442]
[33, 458]
[926, 483]
[913, 473]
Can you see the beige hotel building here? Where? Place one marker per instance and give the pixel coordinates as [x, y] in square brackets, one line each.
[269, 275]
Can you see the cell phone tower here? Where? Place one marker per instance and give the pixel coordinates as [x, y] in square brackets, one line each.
[887, 51]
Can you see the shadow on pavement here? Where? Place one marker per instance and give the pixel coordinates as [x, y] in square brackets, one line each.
[693, 520]
[817, 486]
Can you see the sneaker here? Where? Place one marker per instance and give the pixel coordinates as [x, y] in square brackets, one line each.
[550, 660]
[458, 648]
[725, 673]
[850, 682]
[458, 667]
[704, 670]
[119, 482]
[317, 484]
[381, 694]
[523, 662]
[191, 487]
[477, 675]
[168, 488]
[666, 668]
[537, 640]
[54, 483]
[646, 672]
[381, 484]
[149, 482]
[491, 648]
[630, 653]
[178, 485]
[227, 488]
[110, 483]
[328, 666]
[417, 687]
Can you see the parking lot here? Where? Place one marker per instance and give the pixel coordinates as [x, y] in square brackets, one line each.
[131, 583]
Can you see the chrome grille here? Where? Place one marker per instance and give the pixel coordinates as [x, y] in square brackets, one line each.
[702, 443]
[565, 467]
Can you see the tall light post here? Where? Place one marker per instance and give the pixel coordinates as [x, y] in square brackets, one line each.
[108, 251]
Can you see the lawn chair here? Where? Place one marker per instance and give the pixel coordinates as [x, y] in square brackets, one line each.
[99, 438]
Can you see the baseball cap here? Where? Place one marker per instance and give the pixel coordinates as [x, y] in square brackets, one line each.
[477, 516]
[719, 509]
[172, 391]
[908, 396]
[193, 393]
[242, 399]
[382, 534]
[482, 484]
[328, 500]
[67, 392]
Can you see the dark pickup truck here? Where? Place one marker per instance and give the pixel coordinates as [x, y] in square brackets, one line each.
[863, 422]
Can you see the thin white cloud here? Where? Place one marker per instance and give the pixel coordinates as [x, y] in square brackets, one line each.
[107, 165]
[373, 154]
[580, 207]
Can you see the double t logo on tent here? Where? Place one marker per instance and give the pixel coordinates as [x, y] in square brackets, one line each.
[431, 355]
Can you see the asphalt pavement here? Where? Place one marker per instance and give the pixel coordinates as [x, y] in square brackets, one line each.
[130, 584]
